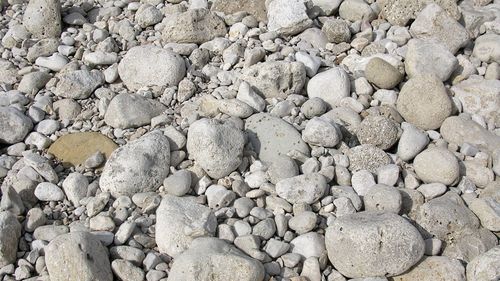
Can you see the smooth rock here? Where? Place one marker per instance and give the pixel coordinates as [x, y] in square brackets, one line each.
[382, 74]
[436, 165]
[412, 142]
[485, 266]
[46, 191]
[308, 245]
[321, 132]
[331, 86]
[488, 212]
[400, 12]
[14, 125]
[132, 111]
[193, 26]
[75, 186]
[429, 57]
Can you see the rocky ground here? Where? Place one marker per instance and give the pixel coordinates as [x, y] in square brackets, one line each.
[250, 140]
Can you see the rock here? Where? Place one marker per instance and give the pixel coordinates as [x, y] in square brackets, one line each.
[435, 23]
[287, 17]
[67, 109]
[331, 86]
[216, 147]
[219, 197]
[477, 173]
[336, 31]
[423, 102]
[379, 131]
[303, 222]
[282, 167]
[139, 166]
[272, 137]
[248, 96]
[150, 66]
[314, 36]
[459, 130]
[326, 7]
[179, 221]
[148, 15]
[486, 48]
[373, 244]
[132, 111]
[41, 165]
[400, 12]
[429, 57]
[256, 8]
[82, 254]
[488, 212]
[432, 190]
[381, 197]
[74, 149]
[78, 84]
[311, 63]
[437, 165]
[10, 232]
[470, 244]
[484, 266]
[412, 142]
[75, 186]
[382, 74]
[56, 62]
[126, 271]
[308, 245]
[179, 183]
[321, 132]
[235, 108]
[302, 189]
[219, 262]
[46, 191]
[479, 96]
[367, 157]
[354, 10]
[435, 268]
[276, 79]
[33, 82]
[193, 26]
[14, 125]
[42, 18]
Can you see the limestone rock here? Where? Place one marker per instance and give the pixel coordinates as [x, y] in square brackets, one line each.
[287, 17]
[14, 125]
[78, 84]
[193, 26]
[43, 18]
[257, 8]
[132, 111]
[10, 232]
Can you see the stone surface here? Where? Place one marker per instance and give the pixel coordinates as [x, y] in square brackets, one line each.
[287, 17]
[216, 147]
[379, 131]
[139, 166]
[10, 232]
[193, 26]
[479, 96]
[132, 111]
[79, 84]
[429, 57]
[321, 132]
[486, 48]
[459, 130]
[336, 31]
[146, 66]
[485, 266]
[302, 189]
[435, 268]
[14, 125]
[83, 257]
[412, 142]
[400, 12]
[331, 86]
[214, 259]
[373, 244]
[257, 8]
[42, 18]
[437, 165]
[488, 212]
[382, 74]
[367, 157]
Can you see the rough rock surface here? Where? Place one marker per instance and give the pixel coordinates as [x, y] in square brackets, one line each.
[193, 26]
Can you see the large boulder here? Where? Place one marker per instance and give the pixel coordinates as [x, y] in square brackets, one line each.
[139, 166]
[193, 26]
[458, 130]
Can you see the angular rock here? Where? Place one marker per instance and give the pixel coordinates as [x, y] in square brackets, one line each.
[331, 86]
[42, 18]
[308, 245]
[373, 244]
[132, 111]
[429, 57]
[216, 147]
[459, 130]
[193, 26]
[488, 212]
[321, 132]
[479, 96]
[437, 165]
[139, 166]
[485, 266]
[435, 268]
[14, 125]
[412, 142]
[10, 232]
[149, 66]
[287, 17]
[79, 84]
[306, 189]
[83, 257]
[257, 8]
[276, 79]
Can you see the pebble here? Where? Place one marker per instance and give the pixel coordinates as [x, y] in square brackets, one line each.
[379, 131]
[308, 245]
[47, 191]
[427, 56]
[412, 142]
[382, 74]
[381, 197]
[131, 111]
[10, 232]
[335, 78]
[78, 84]
[287, 17]
[14, 125]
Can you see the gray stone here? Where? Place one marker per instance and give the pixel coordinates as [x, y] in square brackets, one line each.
[256, 8]
[139, 166]
[75, 186]
[485, 266]
[302, 189]
[151, 66]
[412, 142]
[47, 191]
[276, 248]
[308, 245]
[14, 125]
[78, 84]
[217, 260]
[367, 157]
[179, 221]
[33, 82]
[248, 96]
[193, 26]
[148, 15]
[488, 212]
[373, 244]
[331, 86]
[379, 131]
[303, 222]
[429, 57]
[336, 31]
[132, 111]
[381, 197]
[432, 190]
[479, 96]
[287, 17]
[435, 268]
[42, 18]
[437, 165]
[264, 229]
[458, 130]
[321, 132]
[400, 12]
[486, 48]
[216, 147]
[82, 254]
[179, 183]
[219, 196]
[126, 271]
[10, 232]
[354, 10]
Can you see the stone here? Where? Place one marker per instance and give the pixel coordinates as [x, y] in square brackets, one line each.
[126, 271]
[272, 137]
[46, 191]
[151, 66]
[248, 96]
[235, 108]
[336, 31]
[486, 48]
[75, 186]
[429, 57]
[308, 245]
[287, 17]
[432, 190]
[331, 86]
[423, 102]
[83, 256]
[479, 96]
[139, 166]
[78, 84]
[435, 23]
[435, 268]
[315, 37]
[477, 173]
[484, 266]
[14, 125]
[400, 12]
[56, 62]
[216, 147]
[33, 82]
[256, 8]
[306, 189]
[10, 232]
[379, 131]
[193, 26]
[73, 149]
[321, 132]
[381, 197]
[42, 18]
[282, 167]
[412, 142]
[219, 197]
[148, 15]
[179, 221]
[41, 165]
[382, 74]
[132, 111]
[488, 212]
[458, 130]
[470, 244]
[276, 79]
[303, 222]
[354, 10]
[67, 109]
[436, 165]
[311, 63]
[178, 184]
[373, 244]
[276, 248]
[367, 157]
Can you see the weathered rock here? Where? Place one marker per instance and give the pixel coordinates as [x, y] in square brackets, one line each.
[214, 259]
[488, 212]
[276, 79]
[321, 132]
[149, 66]
[400, 12]
[272, 137]
[331, 86]
[302, 189]
[74, 149]
[437, 165]
[486, 48]
[485, 266]
[33, 82]
[434, 268]
[14, 125]
[412, 142]
[381, 197]
[459, 130]
[139, 166]
[193, 26]
[179, 221]
[337, 31]
[367, 157]
[42, 18]
[216, 147]
[479, 96]
[83, 257]
[10, 232]
[257, 8]
[79, 84]
[429, 57]
[132, 111]
[423, 101]
[354, 10]
[373, 244]
[287, 17]
[308, 245]
[379, 131]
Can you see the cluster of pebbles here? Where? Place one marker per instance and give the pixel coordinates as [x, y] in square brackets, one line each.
[250, 140]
